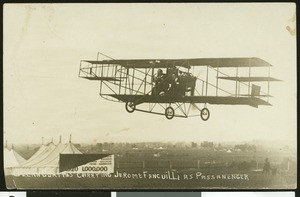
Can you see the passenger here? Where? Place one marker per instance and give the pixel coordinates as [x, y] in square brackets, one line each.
[172, 80]
[174, 85]
[191, 84]
[182, 83]
[187, 84]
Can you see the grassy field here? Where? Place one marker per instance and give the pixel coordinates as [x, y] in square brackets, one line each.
[203, 159]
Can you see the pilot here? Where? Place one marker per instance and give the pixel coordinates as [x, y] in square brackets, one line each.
[159, 73]
[159, 82]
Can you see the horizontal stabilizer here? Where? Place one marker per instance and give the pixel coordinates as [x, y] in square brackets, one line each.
[103, 78]
[247, 79]
[261, 95]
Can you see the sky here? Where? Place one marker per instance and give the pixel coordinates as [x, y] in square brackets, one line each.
[44, 43]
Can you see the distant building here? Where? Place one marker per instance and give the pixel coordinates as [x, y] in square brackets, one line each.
[194, 145]
[207, 145]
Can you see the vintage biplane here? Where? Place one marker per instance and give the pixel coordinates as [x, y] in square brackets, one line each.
[176, 87]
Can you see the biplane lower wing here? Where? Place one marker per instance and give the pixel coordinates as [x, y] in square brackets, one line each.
[220, 100]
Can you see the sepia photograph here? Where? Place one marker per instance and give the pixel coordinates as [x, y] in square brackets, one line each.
[150, 96]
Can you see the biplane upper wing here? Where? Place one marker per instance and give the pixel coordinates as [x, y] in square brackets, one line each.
[217, 100]
[229, 62]
[187, 63]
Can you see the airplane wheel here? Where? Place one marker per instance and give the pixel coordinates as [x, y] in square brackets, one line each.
[130, 107]
[205, 114]
[169, 113]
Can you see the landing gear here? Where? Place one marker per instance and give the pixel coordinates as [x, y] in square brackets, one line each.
[130, 107]
[169, 113]
[204, 114]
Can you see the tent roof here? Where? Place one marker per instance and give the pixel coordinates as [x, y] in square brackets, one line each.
[37, 153]
[43, 155]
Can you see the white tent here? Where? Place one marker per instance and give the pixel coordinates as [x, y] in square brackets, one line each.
[51, 164]
[12, 160]
[48, 161]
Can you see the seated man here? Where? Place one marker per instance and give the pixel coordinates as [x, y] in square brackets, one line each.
[159, 81]
[187, 84]
[173, 82]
